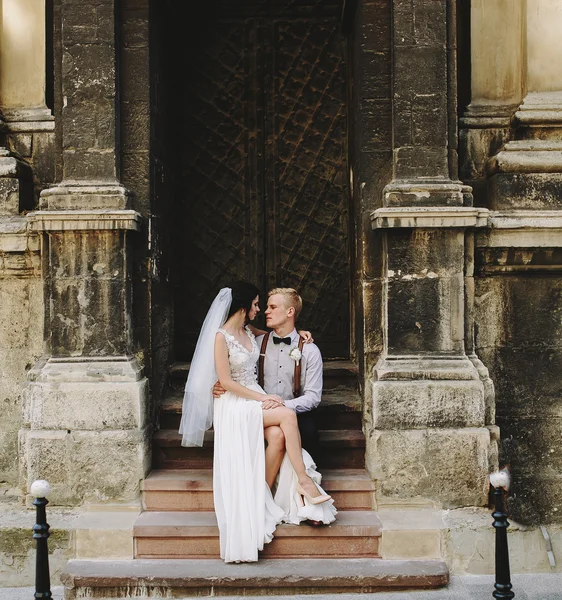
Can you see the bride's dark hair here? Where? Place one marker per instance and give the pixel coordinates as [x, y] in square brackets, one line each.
[243, 295]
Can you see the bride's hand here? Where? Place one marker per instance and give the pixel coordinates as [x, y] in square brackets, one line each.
[306, 336]
[271, 401]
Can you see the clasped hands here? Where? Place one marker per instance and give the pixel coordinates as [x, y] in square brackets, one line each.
[267, 400]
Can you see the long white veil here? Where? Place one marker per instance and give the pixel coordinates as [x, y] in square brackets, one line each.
[197, 409]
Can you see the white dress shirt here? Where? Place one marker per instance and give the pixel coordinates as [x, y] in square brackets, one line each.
[279, 372]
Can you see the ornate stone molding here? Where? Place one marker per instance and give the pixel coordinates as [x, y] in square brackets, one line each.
[529, 156]
[82, 220]
[29, 120]
[429, 217]
[423, 192]
[523, 229]
[85, 195]
[426, 367]
[488, 116]
[92, 369]
[541, 108]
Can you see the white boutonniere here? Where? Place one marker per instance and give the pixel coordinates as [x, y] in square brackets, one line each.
[295, 354]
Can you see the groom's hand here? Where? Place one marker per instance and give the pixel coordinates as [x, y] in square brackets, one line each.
[218, 390]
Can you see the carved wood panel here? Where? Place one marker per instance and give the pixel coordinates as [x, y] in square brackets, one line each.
[264, 192]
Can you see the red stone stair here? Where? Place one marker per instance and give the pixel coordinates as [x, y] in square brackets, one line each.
[176, 540]
[192, 490]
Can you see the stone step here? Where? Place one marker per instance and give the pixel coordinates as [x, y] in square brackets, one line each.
[339, 449]
[192, 489]
[338, 410]
[196, 535]
[182, 578]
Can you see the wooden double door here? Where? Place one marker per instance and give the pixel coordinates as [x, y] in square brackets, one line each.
[263, 193]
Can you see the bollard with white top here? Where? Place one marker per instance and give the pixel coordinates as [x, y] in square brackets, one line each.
[40, 489]
[500, 482]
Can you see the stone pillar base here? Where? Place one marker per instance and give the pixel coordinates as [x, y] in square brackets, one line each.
[87, 429]
[428, 441]
[84, 195]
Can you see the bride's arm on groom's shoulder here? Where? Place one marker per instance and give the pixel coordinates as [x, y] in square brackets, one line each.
[223, 371]
[257, 332]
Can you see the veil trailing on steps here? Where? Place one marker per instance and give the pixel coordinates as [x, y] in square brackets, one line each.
[197, 408]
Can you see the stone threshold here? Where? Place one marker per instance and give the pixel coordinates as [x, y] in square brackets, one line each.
[178, 578]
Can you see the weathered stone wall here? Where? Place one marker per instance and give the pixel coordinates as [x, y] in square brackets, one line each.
[519, 337]
[21, 336]
[510, 154]
[370, 147]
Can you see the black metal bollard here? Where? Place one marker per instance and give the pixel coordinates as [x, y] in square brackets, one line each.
[503, 576]
[40, 489]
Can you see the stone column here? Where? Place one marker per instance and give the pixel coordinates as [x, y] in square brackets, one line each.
[29, 122]
[497, 84]
[426, 426]
[86, 403]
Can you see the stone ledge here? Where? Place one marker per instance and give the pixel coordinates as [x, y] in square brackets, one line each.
[487, 116]
[84, 220]
[87, 369]
[40, 114]
[429, 217]
[87, 195]
[424, 368]
[528, 156]
[422, 193]
[522, 229]
[178, 578]
[541, 108]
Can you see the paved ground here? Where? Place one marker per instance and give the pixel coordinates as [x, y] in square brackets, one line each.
[543, 586]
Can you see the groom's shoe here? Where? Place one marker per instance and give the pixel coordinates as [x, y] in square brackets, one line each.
[314, 523]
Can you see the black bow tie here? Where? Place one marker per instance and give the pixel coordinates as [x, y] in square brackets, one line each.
[278, 340]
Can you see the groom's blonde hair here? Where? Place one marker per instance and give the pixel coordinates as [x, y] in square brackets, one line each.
[292, 298]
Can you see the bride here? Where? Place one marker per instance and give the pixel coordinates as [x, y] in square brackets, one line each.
[247, 513]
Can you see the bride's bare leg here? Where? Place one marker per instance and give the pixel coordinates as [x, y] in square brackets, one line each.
[287, 421]
[274, 452]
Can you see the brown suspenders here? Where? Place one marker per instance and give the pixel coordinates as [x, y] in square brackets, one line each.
[298, 364]
[297, 378]
[261, 360]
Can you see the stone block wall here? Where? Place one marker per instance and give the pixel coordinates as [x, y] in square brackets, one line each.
[21, 336]
[519, 337]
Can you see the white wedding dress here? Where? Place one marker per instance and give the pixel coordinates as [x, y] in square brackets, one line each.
[247, 513]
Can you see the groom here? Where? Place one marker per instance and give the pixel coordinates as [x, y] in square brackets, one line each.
[277, 367]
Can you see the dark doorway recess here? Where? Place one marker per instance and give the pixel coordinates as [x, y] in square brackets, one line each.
[262, 165]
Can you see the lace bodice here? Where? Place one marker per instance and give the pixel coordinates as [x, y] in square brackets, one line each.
[242, 361]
